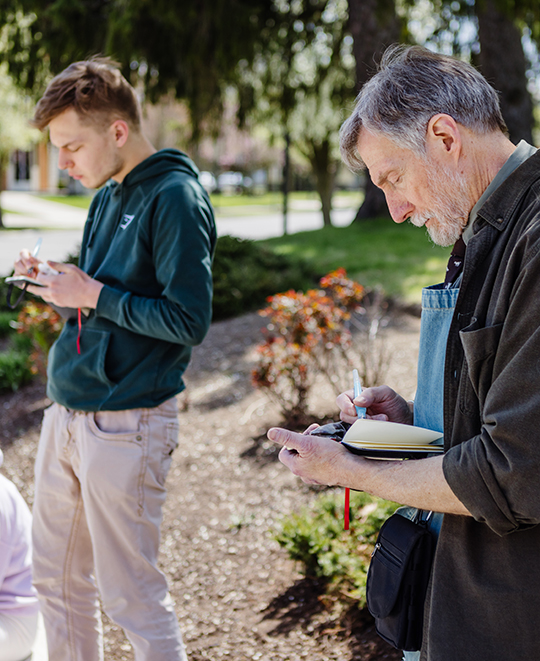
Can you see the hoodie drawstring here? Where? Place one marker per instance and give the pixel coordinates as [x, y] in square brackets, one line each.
[79, 323]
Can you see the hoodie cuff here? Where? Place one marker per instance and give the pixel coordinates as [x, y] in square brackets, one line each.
[108, 302]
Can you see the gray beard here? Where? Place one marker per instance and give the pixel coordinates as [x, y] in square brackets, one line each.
[449, 214]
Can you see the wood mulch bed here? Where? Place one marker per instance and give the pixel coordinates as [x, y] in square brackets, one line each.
[237, 594]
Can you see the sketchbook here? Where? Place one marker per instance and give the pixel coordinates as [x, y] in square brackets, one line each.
[21, 279]
[378, 439]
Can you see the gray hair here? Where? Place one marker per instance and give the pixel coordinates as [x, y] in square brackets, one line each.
[412, 85]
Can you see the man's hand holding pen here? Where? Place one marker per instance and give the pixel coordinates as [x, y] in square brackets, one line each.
[28, 263]
[380, 402]
[63, 285]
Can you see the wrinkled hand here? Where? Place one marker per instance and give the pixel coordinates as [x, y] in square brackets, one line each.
[314, 459]
[71, 288]
[381, 403]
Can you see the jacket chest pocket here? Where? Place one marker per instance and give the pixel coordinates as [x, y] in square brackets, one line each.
[480, 348]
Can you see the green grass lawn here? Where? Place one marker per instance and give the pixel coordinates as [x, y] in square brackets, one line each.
[269, 199]
[275, 199]
[80, 201]
[400, 259]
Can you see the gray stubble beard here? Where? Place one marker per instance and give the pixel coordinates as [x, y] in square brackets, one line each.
[451, 208]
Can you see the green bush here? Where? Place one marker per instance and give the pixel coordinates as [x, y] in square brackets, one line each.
[246, 273]
[14, 370]
[21, 342]
[3, 295]
[315, 536]
[6, 319]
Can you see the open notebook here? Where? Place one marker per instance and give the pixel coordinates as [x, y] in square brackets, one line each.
[378, 439]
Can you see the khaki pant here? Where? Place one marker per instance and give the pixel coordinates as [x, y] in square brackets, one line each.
[97, 512]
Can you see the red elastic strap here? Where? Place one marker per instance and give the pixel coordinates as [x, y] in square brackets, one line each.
[347, 508]
[79, 322]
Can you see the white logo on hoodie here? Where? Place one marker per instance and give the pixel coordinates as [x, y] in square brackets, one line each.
[126, 220]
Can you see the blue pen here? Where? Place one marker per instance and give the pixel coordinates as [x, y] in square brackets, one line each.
[360, 411]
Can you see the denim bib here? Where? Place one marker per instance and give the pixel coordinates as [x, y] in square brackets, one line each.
[437, 311]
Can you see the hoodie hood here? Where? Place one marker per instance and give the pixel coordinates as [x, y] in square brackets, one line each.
[162, 162]
[157, 165]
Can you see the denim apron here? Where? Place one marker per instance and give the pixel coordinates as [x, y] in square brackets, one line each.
[438, 306]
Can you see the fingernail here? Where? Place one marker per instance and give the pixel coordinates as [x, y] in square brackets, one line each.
[272, 434]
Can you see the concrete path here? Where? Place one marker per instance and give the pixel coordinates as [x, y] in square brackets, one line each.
[24, 209]
[268, 225]
[28, 217]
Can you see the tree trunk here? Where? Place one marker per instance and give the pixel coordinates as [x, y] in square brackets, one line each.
[286, 177]
[374, 25]
[324, 169]
[374, 204]
[503, 63]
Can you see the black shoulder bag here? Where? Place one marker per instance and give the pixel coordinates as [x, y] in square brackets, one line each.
[398, 578]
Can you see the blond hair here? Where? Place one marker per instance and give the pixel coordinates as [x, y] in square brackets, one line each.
[95, 89]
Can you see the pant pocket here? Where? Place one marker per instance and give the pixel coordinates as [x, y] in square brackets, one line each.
[120, 426]
[113, 422]
[113, 464]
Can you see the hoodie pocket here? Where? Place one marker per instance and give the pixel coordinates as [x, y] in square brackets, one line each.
[80, 378]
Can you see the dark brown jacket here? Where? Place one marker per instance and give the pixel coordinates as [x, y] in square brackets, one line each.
[485, 598]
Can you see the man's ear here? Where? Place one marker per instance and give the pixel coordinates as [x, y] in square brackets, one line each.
[120, 131]
[443, 138]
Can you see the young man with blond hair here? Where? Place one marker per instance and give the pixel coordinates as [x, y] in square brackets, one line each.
[140, 299]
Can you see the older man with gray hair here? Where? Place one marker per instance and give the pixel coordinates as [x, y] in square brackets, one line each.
[429, 130]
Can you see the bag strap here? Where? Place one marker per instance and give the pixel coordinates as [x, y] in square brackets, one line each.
[420, 518]
[11, 305]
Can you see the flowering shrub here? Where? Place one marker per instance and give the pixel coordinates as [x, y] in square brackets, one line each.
[346, 292]
[284, 371]
[43, 325]
[307, 333]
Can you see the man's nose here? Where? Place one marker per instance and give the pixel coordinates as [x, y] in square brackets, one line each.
[64, 160]
[400, 209]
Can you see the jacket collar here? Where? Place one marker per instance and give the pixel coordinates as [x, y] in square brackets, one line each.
[500, 207]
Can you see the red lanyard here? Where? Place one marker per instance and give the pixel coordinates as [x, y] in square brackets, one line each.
[79, 322]
[347, 508]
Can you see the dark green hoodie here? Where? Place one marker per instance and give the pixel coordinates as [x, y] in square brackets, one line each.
[150, 241]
